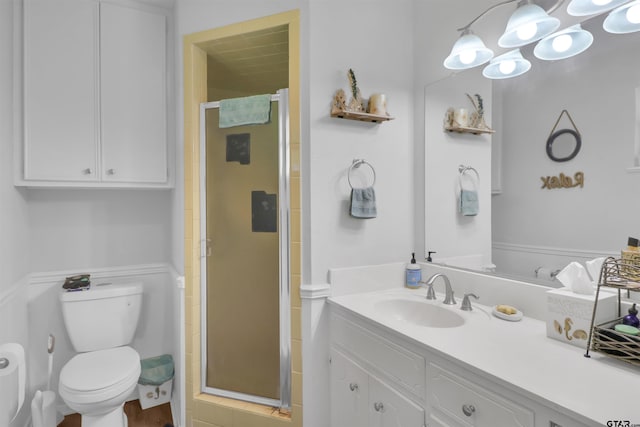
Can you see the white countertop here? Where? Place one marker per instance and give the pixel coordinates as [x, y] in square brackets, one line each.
[554, 373]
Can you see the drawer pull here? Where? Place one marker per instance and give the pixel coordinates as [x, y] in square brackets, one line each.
[378, 406]
[468, 410]
[353, 386]
[111, 171]
[87, 171]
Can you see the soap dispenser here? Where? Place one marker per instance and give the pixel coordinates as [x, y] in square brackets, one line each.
[631, 319]
[413, 273]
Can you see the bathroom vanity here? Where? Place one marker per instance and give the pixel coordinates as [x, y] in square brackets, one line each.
[396, 360]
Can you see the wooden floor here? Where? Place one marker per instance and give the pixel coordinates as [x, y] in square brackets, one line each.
[158, 416]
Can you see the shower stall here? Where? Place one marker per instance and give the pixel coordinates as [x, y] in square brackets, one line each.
[245, 279]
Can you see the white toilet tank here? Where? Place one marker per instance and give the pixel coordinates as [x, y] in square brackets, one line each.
[105, 316]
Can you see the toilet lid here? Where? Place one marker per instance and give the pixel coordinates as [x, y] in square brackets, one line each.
[97, 370]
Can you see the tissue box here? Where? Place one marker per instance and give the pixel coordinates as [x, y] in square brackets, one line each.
[569, 314]
[154, 395]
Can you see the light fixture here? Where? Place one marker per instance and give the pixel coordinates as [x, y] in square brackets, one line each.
[469, 51]
[510, 64]
[592, 7]
[527, 24]
[625, 19]
[564, 44]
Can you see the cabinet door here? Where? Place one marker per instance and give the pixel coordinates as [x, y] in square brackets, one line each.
[133, 95]
[456, 401]
[60, 90]
[349, 392]
[388, 408]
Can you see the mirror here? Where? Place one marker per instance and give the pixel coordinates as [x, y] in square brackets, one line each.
[563, 145]
[538, 229]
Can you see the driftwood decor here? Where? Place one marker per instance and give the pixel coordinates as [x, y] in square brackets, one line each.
[459, 120]
[355, 109]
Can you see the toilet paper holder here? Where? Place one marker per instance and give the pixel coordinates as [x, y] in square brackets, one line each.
[13, 365]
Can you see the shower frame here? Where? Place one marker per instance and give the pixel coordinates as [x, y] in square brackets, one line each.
[282, 98]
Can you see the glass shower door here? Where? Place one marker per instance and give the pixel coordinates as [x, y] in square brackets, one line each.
[242, 261]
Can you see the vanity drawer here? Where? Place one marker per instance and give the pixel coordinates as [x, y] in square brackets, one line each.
[404, 367]
[455, 401]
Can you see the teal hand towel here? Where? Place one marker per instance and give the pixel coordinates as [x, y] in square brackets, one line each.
[469, 205]
[363, 203]
[250, 110]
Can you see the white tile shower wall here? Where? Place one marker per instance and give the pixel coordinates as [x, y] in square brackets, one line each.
[156, 330]
[14, 328]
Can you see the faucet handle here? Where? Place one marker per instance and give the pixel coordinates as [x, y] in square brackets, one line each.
[431, 294]
[466, 303]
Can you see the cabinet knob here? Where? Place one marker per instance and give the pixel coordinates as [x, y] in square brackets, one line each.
[353, 386]
[111, 171]
[378, 406]
[468, 410]
[87, 171]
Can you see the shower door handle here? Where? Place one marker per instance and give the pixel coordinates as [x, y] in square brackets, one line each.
[205, 248]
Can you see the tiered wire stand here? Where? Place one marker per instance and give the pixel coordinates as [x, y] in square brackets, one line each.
[623, 275]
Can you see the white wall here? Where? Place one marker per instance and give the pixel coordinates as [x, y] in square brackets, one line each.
[374, 38]
[13, 219]
[81, 229]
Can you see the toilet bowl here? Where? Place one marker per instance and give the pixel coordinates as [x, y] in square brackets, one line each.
[96, 385]
[101, 323]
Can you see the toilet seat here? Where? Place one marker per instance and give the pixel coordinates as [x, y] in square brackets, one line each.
[100, 375]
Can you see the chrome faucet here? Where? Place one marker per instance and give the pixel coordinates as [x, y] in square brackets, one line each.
[448, 298]
[466, 303]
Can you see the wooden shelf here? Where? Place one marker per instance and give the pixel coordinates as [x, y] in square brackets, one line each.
[474, 131]
[363, 117]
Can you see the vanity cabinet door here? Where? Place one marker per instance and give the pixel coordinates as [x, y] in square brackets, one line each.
[349, 392]
[456, 401]
[60, 90]
[133, 95]
[388, 408]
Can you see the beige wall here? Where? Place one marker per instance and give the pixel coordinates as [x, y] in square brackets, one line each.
[201, 409]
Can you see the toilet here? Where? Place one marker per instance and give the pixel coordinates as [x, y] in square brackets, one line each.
[101, 322]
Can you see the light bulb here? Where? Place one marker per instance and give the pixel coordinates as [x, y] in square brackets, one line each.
[633, 14]
[507, 67]
[562, 43]
[467, 56]
[601, 2]
[527, 31]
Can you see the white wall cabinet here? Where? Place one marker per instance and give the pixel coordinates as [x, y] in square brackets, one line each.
[378, 379]
[358, 399]
[95, 95]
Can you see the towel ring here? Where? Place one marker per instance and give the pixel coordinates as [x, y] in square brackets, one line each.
[464, 169]
[356, 164]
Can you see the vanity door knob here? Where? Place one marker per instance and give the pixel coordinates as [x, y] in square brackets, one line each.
[468, 410]
[111, 171]
[353, 386]
[378, 406]
[87, 171]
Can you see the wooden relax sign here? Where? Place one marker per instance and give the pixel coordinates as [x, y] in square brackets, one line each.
[563, 181]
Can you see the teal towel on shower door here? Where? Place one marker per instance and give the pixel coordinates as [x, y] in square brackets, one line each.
[250, 110]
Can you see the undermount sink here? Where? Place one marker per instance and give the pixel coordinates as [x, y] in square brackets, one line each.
[421, 313]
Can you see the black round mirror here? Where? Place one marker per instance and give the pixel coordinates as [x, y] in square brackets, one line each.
[563, 145]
